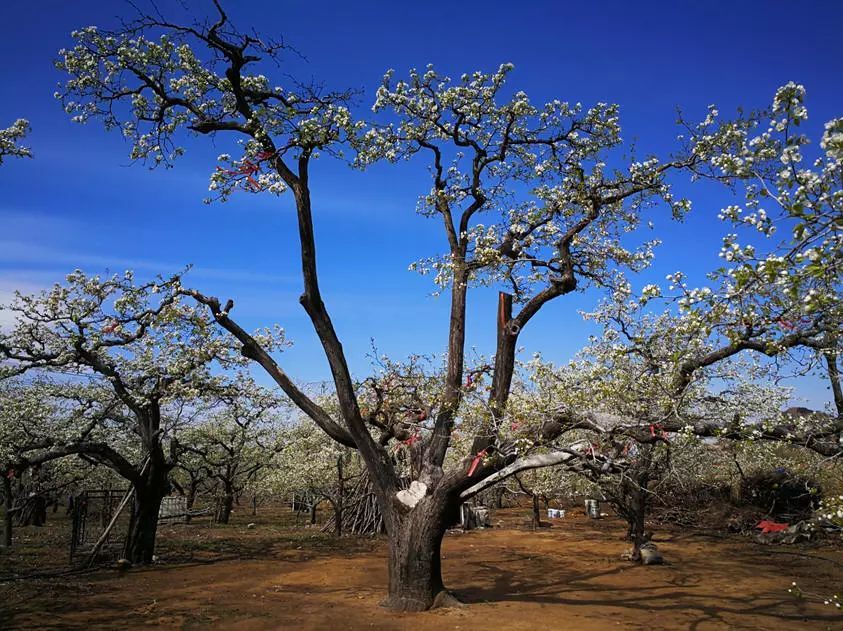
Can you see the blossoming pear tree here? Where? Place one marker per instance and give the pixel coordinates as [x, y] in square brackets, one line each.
[777, 295]
[620, 402]
[150, 348]
[536, 199]
[776, 298]
[42, 421]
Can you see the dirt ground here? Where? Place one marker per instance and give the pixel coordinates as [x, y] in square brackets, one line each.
[568, 576]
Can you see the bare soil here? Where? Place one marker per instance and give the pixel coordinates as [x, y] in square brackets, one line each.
[568, 576]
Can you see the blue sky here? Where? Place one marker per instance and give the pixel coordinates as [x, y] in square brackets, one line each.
[80, 203]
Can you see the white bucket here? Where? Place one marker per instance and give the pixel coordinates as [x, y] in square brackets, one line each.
[592, 509]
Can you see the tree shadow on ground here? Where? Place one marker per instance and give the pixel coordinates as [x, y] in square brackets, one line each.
[579, 590]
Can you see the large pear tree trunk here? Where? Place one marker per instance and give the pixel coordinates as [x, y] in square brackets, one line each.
[150, 490]
[633, 500]
[637, 513]
[142, 534]
[415, 566]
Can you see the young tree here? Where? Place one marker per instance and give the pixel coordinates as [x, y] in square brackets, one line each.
[236, 440]
[190, 477]
[150, 349]
[535, 485]
[311, 466]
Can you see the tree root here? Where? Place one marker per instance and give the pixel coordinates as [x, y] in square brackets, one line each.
[443, 600]
[446, 600]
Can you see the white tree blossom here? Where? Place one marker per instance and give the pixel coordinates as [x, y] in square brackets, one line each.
[10, 140]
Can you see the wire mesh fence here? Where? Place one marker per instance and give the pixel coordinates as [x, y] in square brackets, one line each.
[93, 513]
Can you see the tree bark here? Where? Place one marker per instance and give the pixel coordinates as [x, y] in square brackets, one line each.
[149, 492]
[634, 496]
[415, 567]
[141, 543]
[190, 502]
[226, 506]
[504, 356]
[834, 381]
[638, 511]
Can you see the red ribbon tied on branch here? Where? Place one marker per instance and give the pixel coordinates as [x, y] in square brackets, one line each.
[480, 455]
[592, 450]
[409, 442]
[662, 433]
[250, 169]
[111, 327]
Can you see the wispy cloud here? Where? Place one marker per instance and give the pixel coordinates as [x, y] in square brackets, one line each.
[17, 254]
[46, 225]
